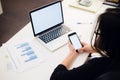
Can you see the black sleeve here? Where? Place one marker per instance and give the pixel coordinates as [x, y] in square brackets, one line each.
[88, 71]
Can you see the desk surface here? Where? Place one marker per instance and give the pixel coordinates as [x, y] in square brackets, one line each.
[72, 18]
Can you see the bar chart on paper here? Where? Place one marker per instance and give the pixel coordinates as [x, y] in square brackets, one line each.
[25, 55]
[26, 52]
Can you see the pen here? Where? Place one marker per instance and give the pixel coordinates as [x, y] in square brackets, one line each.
[83, 23]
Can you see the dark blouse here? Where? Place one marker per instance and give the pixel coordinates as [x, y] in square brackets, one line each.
[88, 71]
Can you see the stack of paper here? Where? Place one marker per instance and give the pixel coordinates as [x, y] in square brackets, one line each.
[116, 4]
[96, 5]
[25, 55]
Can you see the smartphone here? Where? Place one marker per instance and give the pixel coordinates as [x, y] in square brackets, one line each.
[75, 41]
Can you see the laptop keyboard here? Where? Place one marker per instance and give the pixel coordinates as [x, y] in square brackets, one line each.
[49, 36]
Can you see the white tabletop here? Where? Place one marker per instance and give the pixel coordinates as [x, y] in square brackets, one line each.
[43, 71]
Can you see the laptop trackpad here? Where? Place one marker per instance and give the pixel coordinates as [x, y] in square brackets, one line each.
[57, 43]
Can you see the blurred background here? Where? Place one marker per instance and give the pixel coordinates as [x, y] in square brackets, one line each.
[14, 16]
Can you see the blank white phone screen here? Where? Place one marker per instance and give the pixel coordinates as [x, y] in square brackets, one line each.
[75, 42]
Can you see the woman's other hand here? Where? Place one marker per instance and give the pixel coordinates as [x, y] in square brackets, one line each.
[86, 48]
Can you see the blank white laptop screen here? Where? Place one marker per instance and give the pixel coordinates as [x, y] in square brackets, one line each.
[46, 17]
[47, 24]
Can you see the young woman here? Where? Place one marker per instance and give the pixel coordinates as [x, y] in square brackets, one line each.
[107, 43]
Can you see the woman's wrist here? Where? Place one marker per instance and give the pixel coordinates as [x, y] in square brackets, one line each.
[69, 59]
[92, 51]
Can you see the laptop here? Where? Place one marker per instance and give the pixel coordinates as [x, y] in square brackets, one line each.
[48, 25]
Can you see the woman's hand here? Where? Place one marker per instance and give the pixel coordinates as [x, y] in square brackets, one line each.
[71, 49]
[86, 48]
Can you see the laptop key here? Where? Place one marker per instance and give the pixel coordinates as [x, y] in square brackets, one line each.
[52, 35]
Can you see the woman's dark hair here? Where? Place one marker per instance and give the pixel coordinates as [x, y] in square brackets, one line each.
[107, 33]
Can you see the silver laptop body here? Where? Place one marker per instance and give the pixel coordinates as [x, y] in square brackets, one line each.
[47, 24]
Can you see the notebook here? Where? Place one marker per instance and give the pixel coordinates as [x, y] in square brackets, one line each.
[94, 7]
[48, 25]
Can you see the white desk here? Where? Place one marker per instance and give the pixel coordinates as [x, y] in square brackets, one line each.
[43, 71]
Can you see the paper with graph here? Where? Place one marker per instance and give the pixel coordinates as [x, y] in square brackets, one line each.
[25, 55]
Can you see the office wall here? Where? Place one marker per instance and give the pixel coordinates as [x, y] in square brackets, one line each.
[15, 16]
[1, 11]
